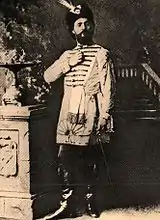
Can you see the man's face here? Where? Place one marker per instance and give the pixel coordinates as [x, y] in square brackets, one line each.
[83, 30]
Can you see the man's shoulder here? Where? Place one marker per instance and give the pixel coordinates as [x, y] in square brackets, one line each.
[101, 47]
[103, 51]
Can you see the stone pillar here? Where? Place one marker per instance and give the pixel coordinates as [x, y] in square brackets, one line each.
[25, 154]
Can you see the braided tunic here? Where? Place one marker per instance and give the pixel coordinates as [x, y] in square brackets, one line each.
[88, 93]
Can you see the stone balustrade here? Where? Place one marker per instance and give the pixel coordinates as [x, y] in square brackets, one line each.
[127, 71]
[151, 79]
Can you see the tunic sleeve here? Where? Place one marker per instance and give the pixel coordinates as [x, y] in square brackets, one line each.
[107, 81]
[58, 68]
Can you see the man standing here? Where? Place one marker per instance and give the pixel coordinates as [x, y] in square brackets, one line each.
[85, 119]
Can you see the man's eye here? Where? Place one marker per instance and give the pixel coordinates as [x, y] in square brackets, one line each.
[79, 24]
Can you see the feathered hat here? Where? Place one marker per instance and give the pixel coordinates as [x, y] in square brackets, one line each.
[76, 12]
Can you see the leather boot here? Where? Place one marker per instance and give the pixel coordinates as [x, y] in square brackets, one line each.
[91, 207]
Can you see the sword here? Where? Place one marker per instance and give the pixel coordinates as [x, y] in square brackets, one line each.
[106, 165]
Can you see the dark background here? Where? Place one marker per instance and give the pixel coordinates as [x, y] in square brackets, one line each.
[126, 27]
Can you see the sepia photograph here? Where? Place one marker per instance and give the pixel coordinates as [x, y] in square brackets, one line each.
[79, 109]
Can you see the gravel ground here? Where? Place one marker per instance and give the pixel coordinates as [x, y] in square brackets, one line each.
[121, 215]
[125, 215]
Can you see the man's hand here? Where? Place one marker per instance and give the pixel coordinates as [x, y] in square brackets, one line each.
[75, 58]
[102, 123]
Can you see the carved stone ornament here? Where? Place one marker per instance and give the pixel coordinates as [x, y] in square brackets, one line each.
[8, 157]
[12, 93]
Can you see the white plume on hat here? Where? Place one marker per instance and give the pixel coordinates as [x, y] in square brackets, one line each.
[70, 6]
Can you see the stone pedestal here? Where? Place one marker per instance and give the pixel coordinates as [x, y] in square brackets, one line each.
[25, 159]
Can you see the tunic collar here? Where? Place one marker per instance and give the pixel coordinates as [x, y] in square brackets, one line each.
[81, 46]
